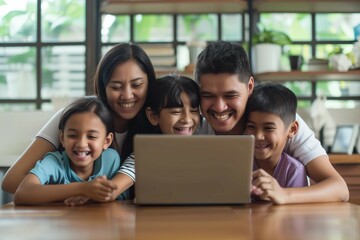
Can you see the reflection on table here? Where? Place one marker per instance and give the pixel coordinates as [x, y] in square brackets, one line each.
[124, 220]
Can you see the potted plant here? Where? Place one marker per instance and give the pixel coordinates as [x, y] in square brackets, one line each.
[338, 60]
[267, 49]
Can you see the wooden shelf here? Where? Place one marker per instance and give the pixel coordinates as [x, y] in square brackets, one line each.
[172, 6]
[160, 73]
[352, 75]
[226, 6]
[306, 5]
[344, 159]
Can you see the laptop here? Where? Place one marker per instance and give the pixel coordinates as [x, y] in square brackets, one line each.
[193, 170]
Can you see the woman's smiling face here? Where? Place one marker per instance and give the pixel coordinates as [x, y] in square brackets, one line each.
[126, 90]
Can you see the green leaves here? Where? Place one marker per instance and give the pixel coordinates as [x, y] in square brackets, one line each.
[271, 36]
[337, 50]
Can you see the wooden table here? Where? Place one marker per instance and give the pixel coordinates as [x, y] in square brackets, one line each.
[121, 220]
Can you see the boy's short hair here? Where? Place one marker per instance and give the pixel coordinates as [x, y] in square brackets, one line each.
[223, 57]
[273, 98]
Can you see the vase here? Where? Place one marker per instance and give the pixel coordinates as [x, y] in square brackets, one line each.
[266, 58]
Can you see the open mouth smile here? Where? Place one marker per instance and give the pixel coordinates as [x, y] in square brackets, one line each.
[81, 154]
[221, 116]
[127, 105]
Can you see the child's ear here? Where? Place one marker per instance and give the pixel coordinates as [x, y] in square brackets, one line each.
[108, 140]
[294, 127]
[153, 118]
[61, 135]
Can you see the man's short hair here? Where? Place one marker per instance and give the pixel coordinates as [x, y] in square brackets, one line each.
[223, 57]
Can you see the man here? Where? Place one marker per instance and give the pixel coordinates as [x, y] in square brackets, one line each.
[223, 74]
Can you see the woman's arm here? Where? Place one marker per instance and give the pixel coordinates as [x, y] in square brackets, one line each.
[25, 163]
[31, 192]
[123, 182]
[125, 177]
[47, 140]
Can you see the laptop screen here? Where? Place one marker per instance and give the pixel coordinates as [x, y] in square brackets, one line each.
[200, 169]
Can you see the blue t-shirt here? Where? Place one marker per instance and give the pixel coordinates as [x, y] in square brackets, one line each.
[55, 168]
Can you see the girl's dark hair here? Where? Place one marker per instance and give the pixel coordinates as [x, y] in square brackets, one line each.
[119, 54]
[88, 104]
[165, 92]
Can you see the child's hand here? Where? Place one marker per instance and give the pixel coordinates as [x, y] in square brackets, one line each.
[267, 188]
[100, 189]
[76, 201]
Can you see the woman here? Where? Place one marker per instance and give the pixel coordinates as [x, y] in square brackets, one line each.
[121, 81]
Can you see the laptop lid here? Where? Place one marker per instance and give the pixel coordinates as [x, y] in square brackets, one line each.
[199, 169]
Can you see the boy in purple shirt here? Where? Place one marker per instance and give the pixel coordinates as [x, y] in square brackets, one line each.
[271, 112]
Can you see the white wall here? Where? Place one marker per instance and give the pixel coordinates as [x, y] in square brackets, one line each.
[17, 130]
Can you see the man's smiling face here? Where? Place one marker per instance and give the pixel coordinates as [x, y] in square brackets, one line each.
[223, 101]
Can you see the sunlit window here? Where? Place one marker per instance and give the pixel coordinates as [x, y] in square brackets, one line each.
[197, 27]
[153, 28]
[231, 27]
[336, 26]
[43, 43]
[115, 28]
[337, 29]
[296, 25]
[60, 42]
[18, 21]
[62, 21]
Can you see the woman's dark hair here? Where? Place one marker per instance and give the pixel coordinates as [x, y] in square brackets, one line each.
[88, 104]
[119, 54]
[165, 92]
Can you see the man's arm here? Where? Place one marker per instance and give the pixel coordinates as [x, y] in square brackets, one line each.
[329, 186]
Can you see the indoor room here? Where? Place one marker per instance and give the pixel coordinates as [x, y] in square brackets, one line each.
[51, 53]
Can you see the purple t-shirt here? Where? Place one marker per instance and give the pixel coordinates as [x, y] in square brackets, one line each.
[289, 172]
